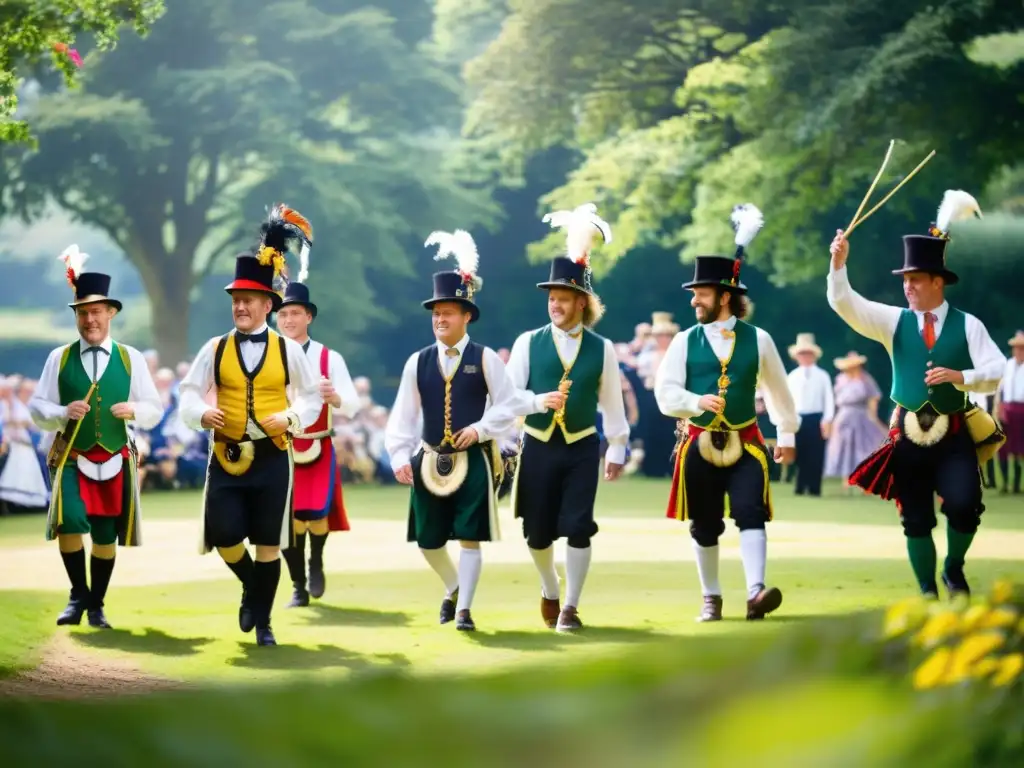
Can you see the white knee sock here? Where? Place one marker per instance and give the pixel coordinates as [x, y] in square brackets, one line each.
[577, 563]
[470, 563]
[754, 550]
[544, 559]
[441, 562]
[707, 569]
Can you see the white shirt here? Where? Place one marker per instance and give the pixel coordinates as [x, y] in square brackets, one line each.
[403, 435]
[609, 396]
[304, 398]
[675, 400]
[1012, 390]
[45, 406]
[812, 391]
[878, 322]
[339, 375]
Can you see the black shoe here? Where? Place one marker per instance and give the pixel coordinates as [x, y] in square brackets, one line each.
[300, 598]
[956, 582]
[73, 613]
[464, 623]
[265, 636]
[246, 620]
[97, 620]
[317, 582]
[448, 607]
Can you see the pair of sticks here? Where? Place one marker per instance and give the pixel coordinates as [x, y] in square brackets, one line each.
[857, 218]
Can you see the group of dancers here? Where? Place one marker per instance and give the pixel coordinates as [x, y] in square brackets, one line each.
[465, 427]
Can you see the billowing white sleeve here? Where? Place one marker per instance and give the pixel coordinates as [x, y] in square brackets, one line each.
[506, 402]
[304, 381]
[194, 387]
[870, 319]
[613, 407]
[778, 400]
[670, 391]
[44, 406]
[402, 436]
[144, 398]
[342, 381]
[518, 370]
[988, 361]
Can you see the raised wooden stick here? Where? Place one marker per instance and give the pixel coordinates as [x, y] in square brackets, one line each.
[885, 199]
[885, 162]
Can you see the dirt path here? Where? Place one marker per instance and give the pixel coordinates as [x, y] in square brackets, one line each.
[169, 553]
[68, 671]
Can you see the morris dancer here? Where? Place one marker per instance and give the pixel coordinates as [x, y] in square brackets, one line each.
[938, 354]
[710, 376]
[1010, 407]
[318, 503]
[97, 493]
[466, 401]
[249, 479]
[556, 481]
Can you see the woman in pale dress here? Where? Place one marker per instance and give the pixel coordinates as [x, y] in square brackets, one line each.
[856, 430]
[22, 483]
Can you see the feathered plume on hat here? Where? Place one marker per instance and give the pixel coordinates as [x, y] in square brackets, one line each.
[282, 228]
[956, 205]
[747, 221]
[580, 225]
[73, 260]
[461, 245]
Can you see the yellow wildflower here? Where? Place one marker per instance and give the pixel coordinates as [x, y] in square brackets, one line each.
[972, 648]
[933, 669]
[904, 616]
[998, 618]
[986, 667]
[1002, 591]
[940, 626]
[973, 618]
[1009, 669]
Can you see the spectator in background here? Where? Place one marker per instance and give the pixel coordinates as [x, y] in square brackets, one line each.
[660, 430]
[857, 430]
[23, 484]
[811, 388]
[377, 423]
[365, 391]
[152, 360]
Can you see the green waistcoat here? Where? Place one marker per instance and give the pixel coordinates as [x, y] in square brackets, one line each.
[99, 427]
[546, 369]
[703, 369]
[910, 358]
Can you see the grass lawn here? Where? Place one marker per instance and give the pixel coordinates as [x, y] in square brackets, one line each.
[387, 619]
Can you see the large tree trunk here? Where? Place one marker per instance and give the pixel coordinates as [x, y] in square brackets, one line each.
[168, 284]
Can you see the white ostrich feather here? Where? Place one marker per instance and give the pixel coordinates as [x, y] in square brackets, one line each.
[580, 225]
[462, 247]
[747, 220]
[73, 259]
[956, 205]
[303, 262]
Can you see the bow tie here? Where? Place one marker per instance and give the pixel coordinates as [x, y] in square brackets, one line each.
[97, 350]
[255, 338]
[571, 334]
[452, 352]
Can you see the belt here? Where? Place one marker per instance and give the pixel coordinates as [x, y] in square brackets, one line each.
[447, 448]
[748, 434]
[262, 446]
[315, 435]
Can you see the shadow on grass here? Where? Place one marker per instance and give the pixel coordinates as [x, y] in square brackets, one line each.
[550, 640]
[151, 641]
[339, 616]
[298, 657]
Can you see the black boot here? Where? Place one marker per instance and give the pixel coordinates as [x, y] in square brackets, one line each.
[100, 571]
[243, 570]
[317, 581]
[295, 557]
[1004, 470]
[1016, 475]
[265, 578]
[78, 600]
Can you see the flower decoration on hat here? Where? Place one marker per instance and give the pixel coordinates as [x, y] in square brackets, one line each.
[956, 205]
[283, 228]
[459, 244]
[580, 225]
[74, 261]
[747, 221]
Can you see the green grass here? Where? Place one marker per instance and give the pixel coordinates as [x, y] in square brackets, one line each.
[26, 625]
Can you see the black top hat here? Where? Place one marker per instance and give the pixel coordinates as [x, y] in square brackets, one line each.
[924, 253]
[298, 293]
[250, 275]
[92, 288]
[566, 273]
[716, 271]
[450, 286]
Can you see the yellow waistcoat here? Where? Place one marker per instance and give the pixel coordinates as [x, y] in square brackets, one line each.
[243, 396]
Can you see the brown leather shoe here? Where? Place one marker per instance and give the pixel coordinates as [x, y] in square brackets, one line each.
[569, 620]
[766, 601]
[712, 610]
[549, 610]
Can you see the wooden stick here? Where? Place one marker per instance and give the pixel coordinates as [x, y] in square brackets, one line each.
[74, 432]
[885, 199]
[885, 162]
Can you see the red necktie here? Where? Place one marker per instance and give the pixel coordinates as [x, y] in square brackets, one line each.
[929, 330]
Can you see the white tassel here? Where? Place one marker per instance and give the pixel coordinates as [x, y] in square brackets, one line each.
[303, 262]
[459, 244]
[956, 205]
[747, 220]
[580, 225]
[73, 259]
